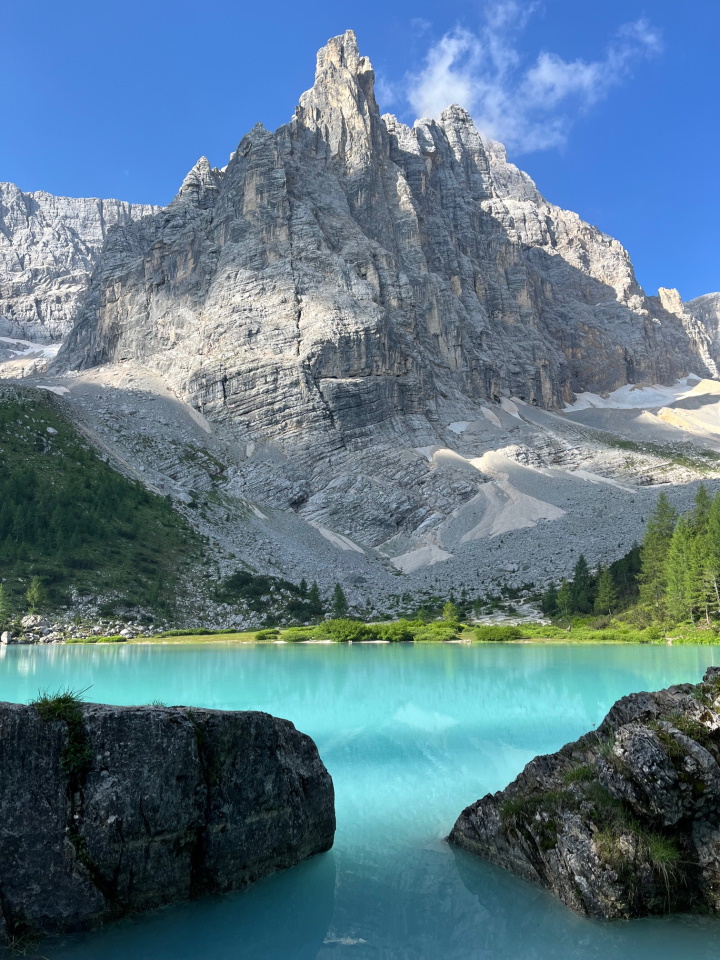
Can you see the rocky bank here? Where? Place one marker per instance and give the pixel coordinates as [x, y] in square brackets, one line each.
[112, 810]
[624, 822]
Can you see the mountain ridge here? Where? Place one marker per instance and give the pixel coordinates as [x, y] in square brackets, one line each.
[374, 332]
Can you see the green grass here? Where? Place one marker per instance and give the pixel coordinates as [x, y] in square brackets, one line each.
[64, 706]
[113, 639]
[233, 636]
[582, 773]
[67, 517]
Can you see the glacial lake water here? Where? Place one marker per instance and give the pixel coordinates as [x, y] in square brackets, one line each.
[411, 735]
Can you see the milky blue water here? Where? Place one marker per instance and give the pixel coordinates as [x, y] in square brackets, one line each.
[411, 735]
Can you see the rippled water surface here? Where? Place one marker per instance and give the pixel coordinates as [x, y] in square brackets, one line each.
[411, 735]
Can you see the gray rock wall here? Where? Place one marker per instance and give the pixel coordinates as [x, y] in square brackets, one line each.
[347, 269]
[48, 248]
[121, 809]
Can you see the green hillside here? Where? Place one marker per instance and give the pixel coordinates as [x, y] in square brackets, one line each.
[74, 522]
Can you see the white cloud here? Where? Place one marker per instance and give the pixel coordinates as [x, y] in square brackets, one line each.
[526, 106]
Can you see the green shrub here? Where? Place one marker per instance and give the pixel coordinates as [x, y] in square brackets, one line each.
[297, 634]
[398, 631]
[436, 632]
[263, 635]
[114, 639]
[342, 631]
[498, 632]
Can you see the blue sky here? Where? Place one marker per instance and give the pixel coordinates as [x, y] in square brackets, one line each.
[611, 107]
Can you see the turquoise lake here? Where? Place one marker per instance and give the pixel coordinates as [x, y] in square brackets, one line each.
[411, 735]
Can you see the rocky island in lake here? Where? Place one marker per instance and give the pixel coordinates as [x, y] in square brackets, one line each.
[112, 810]
[623, 822]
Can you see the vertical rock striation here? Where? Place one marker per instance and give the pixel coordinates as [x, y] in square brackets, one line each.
[348, 269]
[113, 810]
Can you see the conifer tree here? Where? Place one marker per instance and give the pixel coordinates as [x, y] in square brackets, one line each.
[4, 609]
[701, 511]
[582, 587]
[565, 598]
[339, 605]
[653, 553]
[679, 564]
[315, 605]
[607, 597]
[450, 611]
[35, 594]
[549, 602]
[712, 570]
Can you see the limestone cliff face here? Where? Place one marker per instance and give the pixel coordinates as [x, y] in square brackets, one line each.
[348, 270]
[48, 247]
[113, 810]
[625, 821]
[706, 311]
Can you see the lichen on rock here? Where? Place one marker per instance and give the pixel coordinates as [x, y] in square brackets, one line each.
[623, 822]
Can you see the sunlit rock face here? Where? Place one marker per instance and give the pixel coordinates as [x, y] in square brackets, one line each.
[365, 310]
[348, 269]
[48, 248]
[706, 311]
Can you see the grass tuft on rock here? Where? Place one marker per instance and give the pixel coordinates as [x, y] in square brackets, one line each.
[65, 706]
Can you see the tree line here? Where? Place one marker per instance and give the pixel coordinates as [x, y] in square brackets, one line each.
[671, 578]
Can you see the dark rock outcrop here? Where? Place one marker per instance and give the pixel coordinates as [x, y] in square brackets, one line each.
[110, 810]
[625, 821]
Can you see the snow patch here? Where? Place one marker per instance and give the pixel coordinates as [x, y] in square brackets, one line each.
[460, 426]
[509, 407]
[491, 416]
[337, 539]
[420, 557]
[637, 397]
[59, 391]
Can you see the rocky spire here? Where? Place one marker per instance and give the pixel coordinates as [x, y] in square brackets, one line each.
[340, 108]
[201, 186]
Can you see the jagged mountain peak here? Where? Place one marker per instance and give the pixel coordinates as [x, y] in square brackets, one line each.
[353, 295]
[201, 185]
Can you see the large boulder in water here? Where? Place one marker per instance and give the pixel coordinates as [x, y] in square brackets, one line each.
[623, 822]
[110, 810]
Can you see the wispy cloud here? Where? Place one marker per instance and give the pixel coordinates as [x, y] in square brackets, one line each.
[527, 104]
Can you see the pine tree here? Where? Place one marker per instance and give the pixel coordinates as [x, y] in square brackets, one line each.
[450, 611]
[35, 594]
[339, 605]
[303, 588]
[701, 511]
[607, 597]
[712, 570]
[549, 602]
[315, 604]
[4, 609]
[582, 587]
[679, 570]
[565, 598]
[653, 553]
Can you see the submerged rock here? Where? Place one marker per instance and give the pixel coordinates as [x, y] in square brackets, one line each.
[623, 822]
[111, 810]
